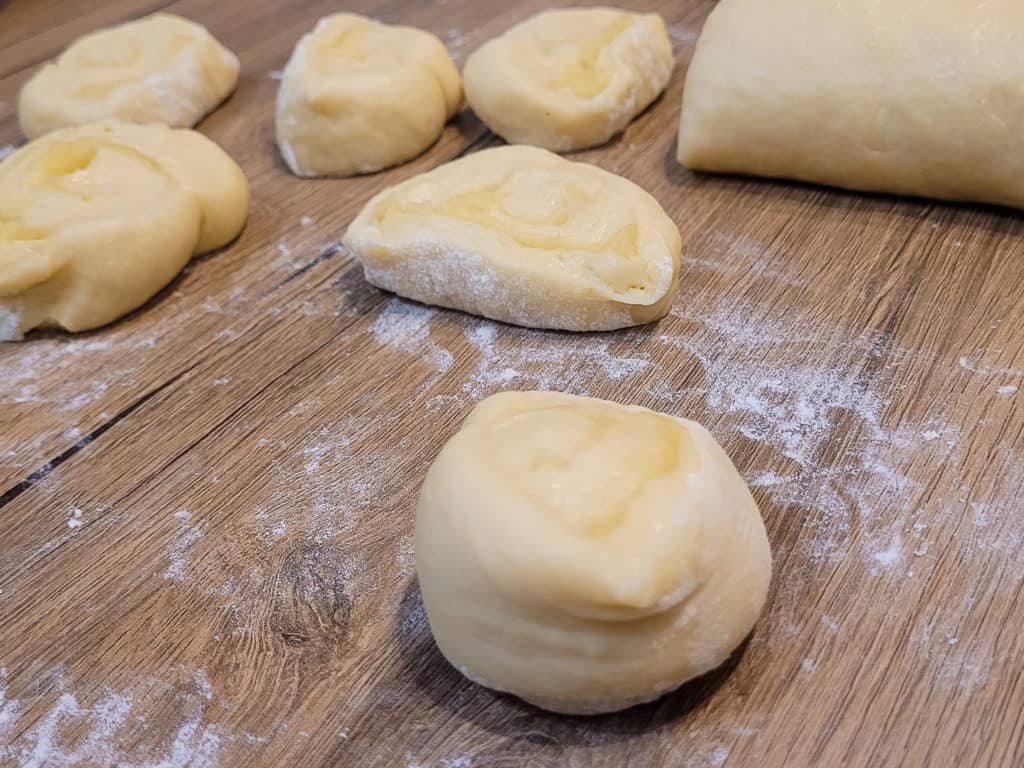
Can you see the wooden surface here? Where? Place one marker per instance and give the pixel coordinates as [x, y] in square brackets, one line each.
[206, 509]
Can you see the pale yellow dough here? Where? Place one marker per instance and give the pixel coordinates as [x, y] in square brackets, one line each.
[915, 97]
[571, 78]
[96, 219]
[587, 556]
[158, 69]
[358, 96]
[522, 235]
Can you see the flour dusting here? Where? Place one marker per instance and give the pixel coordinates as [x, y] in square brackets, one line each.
[406, 327]
[6, 151]
[179, 553]
[72, 732]
[455, 42]
[514, 358]
[681, 36]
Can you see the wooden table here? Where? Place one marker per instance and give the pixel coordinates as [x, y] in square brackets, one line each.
[205, 535]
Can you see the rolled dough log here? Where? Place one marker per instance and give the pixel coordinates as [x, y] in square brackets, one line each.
[912, 97]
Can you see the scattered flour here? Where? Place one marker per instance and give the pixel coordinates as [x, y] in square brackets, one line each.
[741, 256]
[71, 732]
[830, 624]
[307, 221]
[514, 358]
[6, 151]
[681, 36]
[1006, 389]
[276, 74]
[179, 553]
[983, 369]
[75, 518]
[892, 555]
[406, 327]
[454, 41]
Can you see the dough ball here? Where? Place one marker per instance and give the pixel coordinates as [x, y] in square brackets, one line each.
[358, 96]
[96, 219]
[571, 78]
[587, 556]
[912, 97]
[158, 69]
[522, 235]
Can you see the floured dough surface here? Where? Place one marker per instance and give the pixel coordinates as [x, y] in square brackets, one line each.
[584, 555]
[96, 219]
[912, 97]
[570, 78]
[158, 69]
[522, 235]
[358, 96]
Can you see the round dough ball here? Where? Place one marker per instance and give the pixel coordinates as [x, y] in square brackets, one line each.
[158, 69]
[521, 235]
[358, 96]
[571, 78]
[96, 219]
[587, 556]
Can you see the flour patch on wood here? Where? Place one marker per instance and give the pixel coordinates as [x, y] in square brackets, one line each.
[681, 36]
[516, 358]
[91, 728]
[797, 410]
[180, 552]
[406, 327]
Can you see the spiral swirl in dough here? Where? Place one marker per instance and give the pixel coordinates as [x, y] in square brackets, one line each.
[522, 235]
[158, 69]
[569, 78]
[584, 555]
[96, 219]
[358, 96]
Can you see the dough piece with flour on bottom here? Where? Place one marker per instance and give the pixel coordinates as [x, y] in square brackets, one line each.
[521, 235]
[358, 96]
[570, 78]
[587, 556]
[94, 220]
[914, 97]
[158, 69]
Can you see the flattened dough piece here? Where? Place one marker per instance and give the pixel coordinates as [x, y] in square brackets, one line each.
[96, 219]
[522, 235]
[158, 69]
[912, 97]
[584, 555]
[571, 78]
[358, 96]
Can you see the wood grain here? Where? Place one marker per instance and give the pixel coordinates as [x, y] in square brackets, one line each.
[206, 508]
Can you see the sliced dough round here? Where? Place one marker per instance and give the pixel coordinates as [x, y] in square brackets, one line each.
[96, 219]
[571, 78]
[522, 235]
[358, 96]
[158, 69]
[584, 555]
